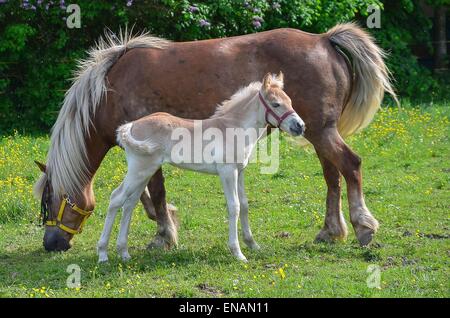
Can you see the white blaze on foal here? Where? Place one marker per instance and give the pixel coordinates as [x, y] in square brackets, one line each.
[149, 142]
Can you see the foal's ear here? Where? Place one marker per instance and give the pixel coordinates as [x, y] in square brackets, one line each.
[41, 166]
[280, 77]
[267, 81]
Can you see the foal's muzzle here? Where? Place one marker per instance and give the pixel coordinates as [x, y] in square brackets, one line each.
[297, 128]
[296, 125]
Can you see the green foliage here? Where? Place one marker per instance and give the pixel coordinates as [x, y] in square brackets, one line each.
[38, 51]
[404, 25]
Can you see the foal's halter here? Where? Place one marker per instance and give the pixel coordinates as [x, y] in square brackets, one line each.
[271, 112]
[58, 222]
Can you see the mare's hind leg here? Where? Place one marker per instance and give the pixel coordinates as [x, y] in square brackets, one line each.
[331, 146]
[166, 235]
[148, 204]
[335, 227]
[243, 201]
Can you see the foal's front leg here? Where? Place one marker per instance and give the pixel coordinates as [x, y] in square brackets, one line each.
[246, 231]
[229, 178]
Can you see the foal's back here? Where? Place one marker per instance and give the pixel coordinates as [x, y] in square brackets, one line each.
[158, 126]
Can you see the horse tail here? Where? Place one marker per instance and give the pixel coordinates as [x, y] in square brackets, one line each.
[371, 77]
[67, 157]
[126, 140]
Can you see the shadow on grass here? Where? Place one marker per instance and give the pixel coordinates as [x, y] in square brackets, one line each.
[349, 250]
[35, 268]
[40, 268]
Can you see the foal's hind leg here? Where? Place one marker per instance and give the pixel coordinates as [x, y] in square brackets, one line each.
[133, 193]
[243, 201]
[330, 145]
[134, 188]
[335, 227]
[117, 200]
[166, 235]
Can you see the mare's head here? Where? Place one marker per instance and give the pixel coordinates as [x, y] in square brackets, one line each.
[278, 106]
[60, 216]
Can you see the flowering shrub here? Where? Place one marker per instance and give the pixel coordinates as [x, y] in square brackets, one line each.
[38, 51]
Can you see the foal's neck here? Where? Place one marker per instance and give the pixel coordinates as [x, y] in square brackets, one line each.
[248, 114]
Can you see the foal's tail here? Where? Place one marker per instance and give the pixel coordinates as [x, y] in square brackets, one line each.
[370, 80]
[126, 140]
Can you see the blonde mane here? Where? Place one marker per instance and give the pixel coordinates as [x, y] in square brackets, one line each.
[242, 96]
[67, 157]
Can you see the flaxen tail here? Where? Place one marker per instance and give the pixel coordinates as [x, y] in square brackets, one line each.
[126, 140]
[371, 76]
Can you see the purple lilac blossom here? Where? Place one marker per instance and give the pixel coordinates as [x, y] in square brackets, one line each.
[193, 9]
[256, 24]
[204, 23]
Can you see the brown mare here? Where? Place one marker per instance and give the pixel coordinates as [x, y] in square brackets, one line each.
[335, 93]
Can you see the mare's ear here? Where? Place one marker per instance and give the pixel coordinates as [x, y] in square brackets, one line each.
[267, 81]
[280, 77]
[41, 166]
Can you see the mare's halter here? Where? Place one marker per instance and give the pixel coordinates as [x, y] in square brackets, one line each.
[279, 119]
[58, 222]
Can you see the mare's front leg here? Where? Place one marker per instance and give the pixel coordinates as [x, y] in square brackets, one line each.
[165, 214]
[246, 231]
[229, 177]
[149, 208]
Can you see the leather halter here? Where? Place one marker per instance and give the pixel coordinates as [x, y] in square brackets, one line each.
[272, 113]
[58, 222]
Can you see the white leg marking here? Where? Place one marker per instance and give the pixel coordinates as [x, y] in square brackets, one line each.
[229, 182]
[246, 231]
[116, 202]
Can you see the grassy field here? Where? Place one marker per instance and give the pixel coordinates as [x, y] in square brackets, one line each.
[407, 186]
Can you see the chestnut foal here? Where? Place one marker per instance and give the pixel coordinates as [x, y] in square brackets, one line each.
[149, 142]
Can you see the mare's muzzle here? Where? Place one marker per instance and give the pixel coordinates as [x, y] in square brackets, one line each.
[56, 240]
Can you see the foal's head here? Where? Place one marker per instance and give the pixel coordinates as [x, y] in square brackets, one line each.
[278, 106]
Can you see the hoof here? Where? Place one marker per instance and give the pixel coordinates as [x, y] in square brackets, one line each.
[365, 236]
[125, 257]
[103, 259]
[251, 244]
[158, 243]
[255, 246]
[241, 258]
[325, 236]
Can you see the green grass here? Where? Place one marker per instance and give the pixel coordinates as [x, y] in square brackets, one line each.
[406, 181]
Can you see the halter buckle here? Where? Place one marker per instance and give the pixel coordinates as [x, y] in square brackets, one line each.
[58, 222]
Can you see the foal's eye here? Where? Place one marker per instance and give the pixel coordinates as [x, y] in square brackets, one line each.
[276, 105]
